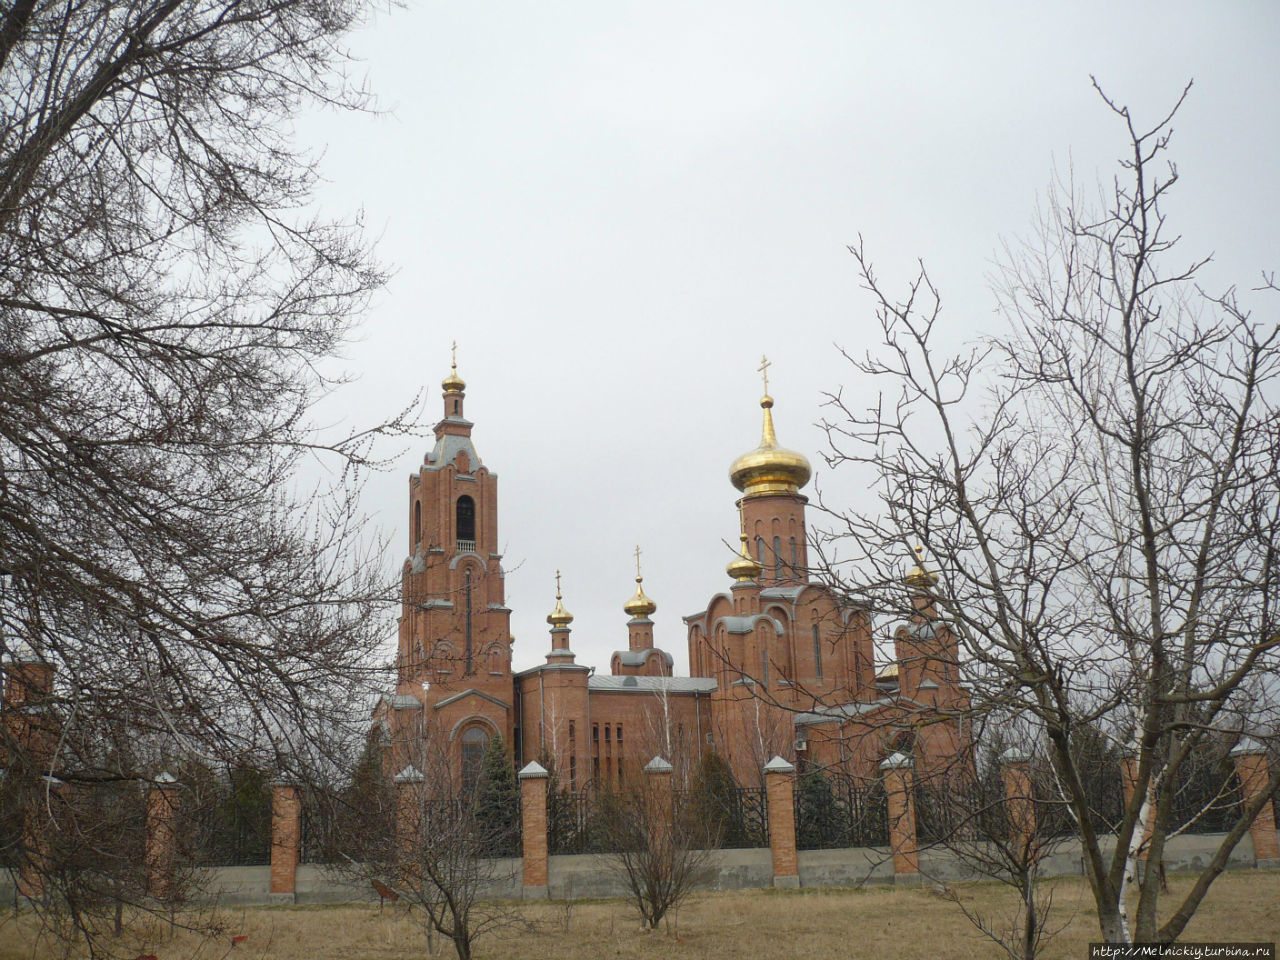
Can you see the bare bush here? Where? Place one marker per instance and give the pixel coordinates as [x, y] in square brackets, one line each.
[659, 850]
[438, 844]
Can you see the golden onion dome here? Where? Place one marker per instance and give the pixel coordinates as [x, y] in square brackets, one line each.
[453, 383]
[639, 605]
[918, 577]
[769, 469]
[559, 617]
[742, 567]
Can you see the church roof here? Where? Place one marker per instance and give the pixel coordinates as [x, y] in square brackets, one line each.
[748, 623]
[783, 593]
[843, 711]
[637, 658]
[652, 684]
[447, 448]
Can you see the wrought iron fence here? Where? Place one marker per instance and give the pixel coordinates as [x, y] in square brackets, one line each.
[837, 812]
[1207, 800]
[577, 822]
[592, 821]
[732, 818]
[1104, 792]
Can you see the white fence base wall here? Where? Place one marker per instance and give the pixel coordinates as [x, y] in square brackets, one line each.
[595, 874]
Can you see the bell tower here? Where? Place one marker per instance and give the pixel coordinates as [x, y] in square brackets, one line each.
[455, 633]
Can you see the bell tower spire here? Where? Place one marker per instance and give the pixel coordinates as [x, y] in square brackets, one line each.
[454, 392]
[455, 624]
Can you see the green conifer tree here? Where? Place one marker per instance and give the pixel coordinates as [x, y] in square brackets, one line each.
[498, 801]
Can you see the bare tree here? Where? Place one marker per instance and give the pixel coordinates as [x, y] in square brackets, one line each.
[1098, 489]
[997, 819]
[436, 846]
[660, 851]
[168, 315]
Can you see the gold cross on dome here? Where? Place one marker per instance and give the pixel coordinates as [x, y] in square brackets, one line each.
[558, 597]
[455, 355]
[637, 561]
[764, 370]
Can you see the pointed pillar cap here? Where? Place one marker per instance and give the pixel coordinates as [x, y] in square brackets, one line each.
[778, 765]
[1247, 747]
[895, 761]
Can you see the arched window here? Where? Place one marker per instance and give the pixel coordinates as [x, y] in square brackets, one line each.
[794, 561]
[466, 520]
[474, 743]
[760, 551]
[777, 557]
[417, 522]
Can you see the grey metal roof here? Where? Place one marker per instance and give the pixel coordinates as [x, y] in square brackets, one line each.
[747, 624]
[843, 711]
[652, 684]
[447, 449]
[403, 701]
[782, 593]
[637, 658]
[538, 668]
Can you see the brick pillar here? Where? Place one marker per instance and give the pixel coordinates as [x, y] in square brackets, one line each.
[1015, 771]
[37, 823]
[780, 788]
[162, 835]
[658, 792]
[33, 726]
[286, 839]
[1128, 780]
[533, 829]
[410, 797]
[899, 787]
[1251, 768]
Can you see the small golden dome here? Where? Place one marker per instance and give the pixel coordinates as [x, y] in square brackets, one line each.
[918, 577]
[639, 605]
[742, 567]
[769, 469]
[453, 383]
[559, 617]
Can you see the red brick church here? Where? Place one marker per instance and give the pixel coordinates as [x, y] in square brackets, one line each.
[779, 664]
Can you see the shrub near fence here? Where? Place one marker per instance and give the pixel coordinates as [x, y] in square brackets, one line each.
[735, 818]
[730, 818]
[833, 813]
[578, 822]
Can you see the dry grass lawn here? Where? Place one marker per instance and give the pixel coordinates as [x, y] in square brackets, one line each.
[873, 922]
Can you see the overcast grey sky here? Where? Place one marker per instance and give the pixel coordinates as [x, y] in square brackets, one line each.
[616, 208]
